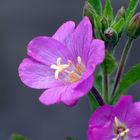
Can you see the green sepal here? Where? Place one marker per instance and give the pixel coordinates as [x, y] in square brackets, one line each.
[108, 11]
[119, 26]
[94, 18]
[97, 26]
[120, 14]
[131, 10]
[128, 80]
[89, 11]
[97, 6]
[104, 24]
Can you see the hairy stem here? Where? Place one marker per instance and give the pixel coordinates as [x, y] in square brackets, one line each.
[122, 64]
[97, 96]
[105, 82]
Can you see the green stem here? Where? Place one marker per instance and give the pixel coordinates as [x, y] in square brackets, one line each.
[122, 64]
[106, 81]
[97, 96]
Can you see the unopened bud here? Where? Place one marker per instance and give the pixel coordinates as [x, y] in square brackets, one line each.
[88, 10]
[111, 35]
[104, 24]
[120, 13]
[134, 27]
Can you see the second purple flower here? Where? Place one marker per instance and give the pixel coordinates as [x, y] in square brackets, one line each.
[63, 64]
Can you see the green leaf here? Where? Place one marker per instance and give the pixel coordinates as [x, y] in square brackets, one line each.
[97, 5]
[131, 9]
[109, 65]
[128, 80]
[18, 137]
[93, 102]
[98, 83]
[108, 11]
[119, 25]
[70, 138]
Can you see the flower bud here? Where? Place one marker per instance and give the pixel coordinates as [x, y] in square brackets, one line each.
[111, 35]
[88, 11]
[134, 27]
[104, 24]
[120, 13]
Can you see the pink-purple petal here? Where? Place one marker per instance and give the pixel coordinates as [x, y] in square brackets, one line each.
[47, 50]
[64, 31]
[122, 107]
[103, 119]
[79, 41]
[66, 94]
[100, 124]
[58, 95]
[83, 88]
[104, 133]
[37, 75]
[50, 97]
[97, 52]
[133, 119]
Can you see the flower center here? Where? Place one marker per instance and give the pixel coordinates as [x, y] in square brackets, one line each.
[120, 129]
[71, 73]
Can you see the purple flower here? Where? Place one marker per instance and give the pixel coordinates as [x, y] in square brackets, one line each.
[121, 122]
[63, 64]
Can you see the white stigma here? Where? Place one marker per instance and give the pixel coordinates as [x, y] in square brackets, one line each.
[59, 67]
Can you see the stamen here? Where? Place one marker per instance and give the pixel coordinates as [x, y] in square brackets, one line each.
[120, 129]
[59, 67]
[71, 72]
[70, 62]
[56, 74]
[79, 60]
[59, 60]
[117, 122]
[53, 67]
[74, 77]
[121, 135]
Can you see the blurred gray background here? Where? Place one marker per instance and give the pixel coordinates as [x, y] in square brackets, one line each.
[20, 110]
